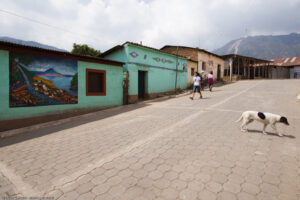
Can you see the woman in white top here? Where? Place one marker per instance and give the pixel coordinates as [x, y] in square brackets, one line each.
[197, 85]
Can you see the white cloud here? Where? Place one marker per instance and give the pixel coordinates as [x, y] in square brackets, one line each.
[105, 23]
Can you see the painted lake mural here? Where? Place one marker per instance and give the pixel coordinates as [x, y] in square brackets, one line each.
[40, 80]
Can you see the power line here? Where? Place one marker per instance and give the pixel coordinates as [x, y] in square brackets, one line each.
[44, 24]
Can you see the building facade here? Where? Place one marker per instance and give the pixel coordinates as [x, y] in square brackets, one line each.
[192, 68]
[38, 82]
[206, 61]
[151, 72]
[286, 68]
[238, 67]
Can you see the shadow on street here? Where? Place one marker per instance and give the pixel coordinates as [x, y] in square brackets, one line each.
[80, 120]
[272, 134]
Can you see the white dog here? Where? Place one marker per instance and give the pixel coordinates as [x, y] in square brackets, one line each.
[265, 118]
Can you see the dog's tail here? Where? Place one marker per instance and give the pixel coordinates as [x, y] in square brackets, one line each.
[240, 119]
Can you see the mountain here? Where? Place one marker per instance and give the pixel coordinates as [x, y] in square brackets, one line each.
[52, 72]
[264, 47]
[30, 43]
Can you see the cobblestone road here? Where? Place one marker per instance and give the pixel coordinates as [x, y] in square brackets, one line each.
[172, 149]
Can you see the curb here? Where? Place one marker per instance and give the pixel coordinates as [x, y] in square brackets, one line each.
[165, 97]
[27, 129]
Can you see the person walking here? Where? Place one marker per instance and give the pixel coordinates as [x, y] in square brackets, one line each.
[197, 85]
[210, 80]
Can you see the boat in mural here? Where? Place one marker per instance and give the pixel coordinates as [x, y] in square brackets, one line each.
[40, 80]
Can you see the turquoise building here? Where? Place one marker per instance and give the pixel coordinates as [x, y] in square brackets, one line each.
[151, 72]
[38, 82]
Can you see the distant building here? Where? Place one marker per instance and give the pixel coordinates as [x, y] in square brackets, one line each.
[286, 67]
[206, 61]
[243, 67]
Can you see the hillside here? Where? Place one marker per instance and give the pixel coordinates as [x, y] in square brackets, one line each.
[265, 47]
[30, 43]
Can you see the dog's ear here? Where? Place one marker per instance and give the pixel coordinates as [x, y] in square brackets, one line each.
[261, 115]
[284, 120]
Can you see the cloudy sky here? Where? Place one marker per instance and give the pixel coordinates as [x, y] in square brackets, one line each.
[102, 24]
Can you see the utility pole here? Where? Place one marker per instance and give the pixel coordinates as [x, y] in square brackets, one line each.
[230, 68]
[176, 70]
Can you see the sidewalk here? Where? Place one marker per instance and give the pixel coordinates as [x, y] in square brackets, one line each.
[13, 127]
[19, 126]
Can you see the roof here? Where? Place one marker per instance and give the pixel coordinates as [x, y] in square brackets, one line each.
[191, 60]
[193, 48]
[111, 50]
[247, 57]
[135, 44]
[287, 62]
[41, 51]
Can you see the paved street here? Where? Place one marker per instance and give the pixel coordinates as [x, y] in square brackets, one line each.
[170, 149]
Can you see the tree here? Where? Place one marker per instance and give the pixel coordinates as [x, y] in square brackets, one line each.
[84, 50]
[74, 82]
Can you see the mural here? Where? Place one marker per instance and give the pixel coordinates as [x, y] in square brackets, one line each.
[163, 60]
[134, 54]
[157, 59]
[39, 80]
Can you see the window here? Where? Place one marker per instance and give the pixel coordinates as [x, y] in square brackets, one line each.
[95, 82]
[204, 66]
[192, 71]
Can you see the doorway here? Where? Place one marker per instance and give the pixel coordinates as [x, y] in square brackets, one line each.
[252, 72]
[219, 73]
[141, 84]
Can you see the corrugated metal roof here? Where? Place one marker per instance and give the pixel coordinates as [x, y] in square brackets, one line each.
[17, 47]
[293, 59]
[287, 62]
[30, 44]
[246, 57]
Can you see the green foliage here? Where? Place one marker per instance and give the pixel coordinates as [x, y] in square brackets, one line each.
[74, 82]
[84, 50]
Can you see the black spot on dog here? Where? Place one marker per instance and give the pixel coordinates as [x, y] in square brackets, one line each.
[284, 120]
[261, 115]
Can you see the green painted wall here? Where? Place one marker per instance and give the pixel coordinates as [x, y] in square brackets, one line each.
[114, 92]
[118, 55]
[160, 76]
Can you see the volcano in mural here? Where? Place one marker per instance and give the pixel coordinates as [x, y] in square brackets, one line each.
[41, 80]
